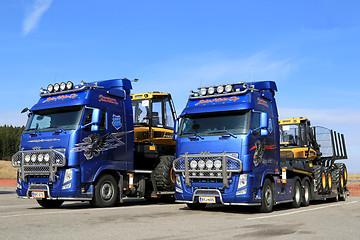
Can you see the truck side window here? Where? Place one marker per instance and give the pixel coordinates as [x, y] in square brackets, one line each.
[88, 117]
[255, 123]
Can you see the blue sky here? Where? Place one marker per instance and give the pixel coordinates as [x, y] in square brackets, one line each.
[310, 48]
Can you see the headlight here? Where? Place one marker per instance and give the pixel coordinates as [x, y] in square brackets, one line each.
[40, 157]
[211, 90]
[50, 88]
[68, 175]
[203, 91]
[33, 157]
[217, 164]
[69, 85]
[242, 181]
[201, 164]
[63, 86]
[220, 89]
[178, 180]
[56, 87]
[209, 164]
[228, 88]
[27, 158]
[47, 157]
[193, 164]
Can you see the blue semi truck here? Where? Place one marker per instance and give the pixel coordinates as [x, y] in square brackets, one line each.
[96, 142]
[231, 150]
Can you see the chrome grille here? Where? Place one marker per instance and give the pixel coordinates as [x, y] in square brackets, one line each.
[39, 162]
[202, 166]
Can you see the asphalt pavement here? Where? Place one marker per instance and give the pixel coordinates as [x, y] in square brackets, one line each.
[139, 219]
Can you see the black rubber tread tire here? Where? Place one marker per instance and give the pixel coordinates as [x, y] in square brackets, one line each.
[97, 200]
[335, 176]
[317, 177]
[342, 168]
[306, 202]
[45, 203]
[327, 173]
[267, 207]
[343, 198]
[162, 174]
[196, 206]
[297, 195]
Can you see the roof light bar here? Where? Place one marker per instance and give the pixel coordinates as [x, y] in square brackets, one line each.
[222, 89]
[62, 87]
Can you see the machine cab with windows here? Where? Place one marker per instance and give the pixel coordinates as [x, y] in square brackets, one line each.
[154, 117]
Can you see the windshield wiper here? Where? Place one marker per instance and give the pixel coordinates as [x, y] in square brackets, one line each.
[195, 133]
[226, 131]
[35, 131]
[62, 130]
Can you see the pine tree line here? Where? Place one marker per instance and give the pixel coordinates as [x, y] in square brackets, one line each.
[9, 141]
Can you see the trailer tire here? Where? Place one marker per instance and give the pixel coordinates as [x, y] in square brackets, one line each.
[335, 176]
[196, 206]
[164, 174]
[306, 194]
[45, 203]
[106, 192]
[267, 197]
[297, 195]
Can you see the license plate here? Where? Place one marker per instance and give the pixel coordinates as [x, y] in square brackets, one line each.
[38, 194]
[207, 200]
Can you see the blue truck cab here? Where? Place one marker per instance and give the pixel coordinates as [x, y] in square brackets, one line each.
[227, 148]
[78, 144]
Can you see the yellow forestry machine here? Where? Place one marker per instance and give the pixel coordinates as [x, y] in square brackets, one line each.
[154, 119]
[312, 151]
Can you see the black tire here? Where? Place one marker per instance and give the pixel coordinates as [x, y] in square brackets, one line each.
[196, 206]
[163, 174]
[343, 171]
[306, 194]
[328, 180]
[106, 192]
[45, 203]
[317, 177]
[343, 197]
[267, 197]
[335, 176]
[297, 195]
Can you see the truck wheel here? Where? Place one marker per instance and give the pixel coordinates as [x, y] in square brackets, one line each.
[45, 203]
[196, 206]
[306, 194]
[297, 195]
[164, 174]
[342, 197]
[267, 197]
[106, 192]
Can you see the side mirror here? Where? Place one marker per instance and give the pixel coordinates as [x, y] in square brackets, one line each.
[264, 132]
[95, 120]
[25, 110]
[176, 125]
[264, 120]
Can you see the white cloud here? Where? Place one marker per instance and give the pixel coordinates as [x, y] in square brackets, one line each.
[38, 9]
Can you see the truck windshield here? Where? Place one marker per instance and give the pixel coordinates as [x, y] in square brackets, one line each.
[218, 123]
[53, 119]
[289, 134]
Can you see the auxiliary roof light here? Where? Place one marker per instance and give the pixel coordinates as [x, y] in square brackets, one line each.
[63, 86]
[228, 88]
[203, 91]
[201, 164]
[69, 85]
[211, 90]
[56, 87]
[220, 89]
[50, 88]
